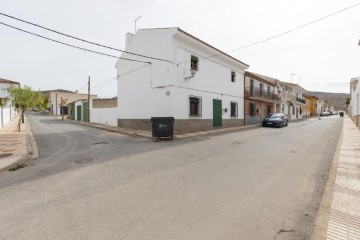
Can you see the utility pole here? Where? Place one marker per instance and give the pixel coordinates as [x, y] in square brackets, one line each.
[88, 110]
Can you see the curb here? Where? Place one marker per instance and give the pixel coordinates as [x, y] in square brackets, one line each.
[180, 136]
[323, 215]
[32, 149]
[131, 134]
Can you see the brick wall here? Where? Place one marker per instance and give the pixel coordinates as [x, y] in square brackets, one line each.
[105, 103]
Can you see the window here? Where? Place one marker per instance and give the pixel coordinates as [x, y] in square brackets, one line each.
[293, 110]
[251, 87]
[234, 109]
[195, 107]
[194, 62]
[252, 109]
[261, 89]
[268, 92]
[233, 75]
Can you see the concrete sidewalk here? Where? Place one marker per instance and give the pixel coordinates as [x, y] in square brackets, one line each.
[16, 147]
[339, 212]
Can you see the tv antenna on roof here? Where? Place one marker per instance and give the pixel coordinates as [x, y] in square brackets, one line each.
[135, 22]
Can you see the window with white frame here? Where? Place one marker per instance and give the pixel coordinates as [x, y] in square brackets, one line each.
[195, 106]
[234, 109]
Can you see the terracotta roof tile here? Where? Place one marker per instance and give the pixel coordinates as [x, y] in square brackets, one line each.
[8, 81]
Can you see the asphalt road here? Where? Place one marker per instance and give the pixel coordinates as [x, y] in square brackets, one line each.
[263, 183]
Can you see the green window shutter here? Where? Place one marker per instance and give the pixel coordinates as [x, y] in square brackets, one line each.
[251, 87]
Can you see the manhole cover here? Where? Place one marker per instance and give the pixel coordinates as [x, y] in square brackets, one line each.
[4, 155]
[97, 143]
[84, 161]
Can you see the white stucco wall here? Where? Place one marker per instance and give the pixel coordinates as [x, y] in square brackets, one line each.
[321, 106]
[105, 116]
[6, 113]
[355, 99]
[160, 90]
[293, 109]
[55, 99]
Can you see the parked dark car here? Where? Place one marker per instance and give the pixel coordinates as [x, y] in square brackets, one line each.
[275, 119]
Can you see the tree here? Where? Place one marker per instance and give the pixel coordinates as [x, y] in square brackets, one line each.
[3, 102]
[44, 105]
[347, 101]
[62, 103]
[24, 98]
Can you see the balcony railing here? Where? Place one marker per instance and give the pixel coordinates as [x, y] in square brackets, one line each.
[300, 100]
[258, 93]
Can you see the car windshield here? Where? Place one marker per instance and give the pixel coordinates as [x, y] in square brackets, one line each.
[276, 116]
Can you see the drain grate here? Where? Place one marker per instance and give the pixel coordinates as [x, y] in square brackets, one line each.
[84, 160]
[4, 155]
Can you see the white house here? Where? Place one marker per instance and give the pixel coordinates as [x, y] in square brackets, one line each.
[192, 81]
[55, 97]
[78, 110]
[354, 107]
[297, 100]
[104, 111]
[6, 112]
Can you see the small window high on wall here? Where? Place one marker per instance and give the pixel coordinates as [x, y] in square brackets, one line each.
[233, 76]
[194, 63]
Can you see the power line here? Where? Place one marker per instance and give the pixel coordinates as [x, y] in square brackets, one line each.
[69, 45]
[281, 34]
[83, 40]
[296, 28]
[82, 87]
[106, 83]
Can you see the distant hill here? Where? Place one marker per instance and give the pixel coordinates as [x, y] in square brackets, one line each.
[334, 99]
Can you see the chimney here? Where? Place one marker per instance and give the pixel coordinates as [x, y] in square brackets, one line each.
[128, 38]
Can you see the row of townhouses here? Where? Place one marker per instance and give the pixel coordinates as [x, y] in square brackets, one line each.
[187, 79]
[199, 85]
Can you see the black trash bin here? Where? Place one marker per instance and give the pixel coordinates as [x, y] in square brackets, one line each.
[341, 114]
[162, 127]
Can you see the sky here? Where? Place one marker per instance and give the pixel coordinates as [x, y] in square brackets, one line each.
[322, 56]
